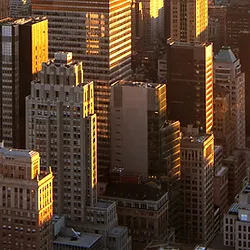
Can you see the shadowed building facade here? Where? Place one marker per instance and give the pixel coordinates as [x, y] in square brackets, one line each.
[190, 84]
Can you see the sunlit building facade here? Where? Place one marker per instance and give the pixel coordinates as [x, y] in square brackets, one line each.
[99, 35]
[190, 84]
[26, 201]
[197, 170]
[189, 20]
[61, 124]
[24, 46]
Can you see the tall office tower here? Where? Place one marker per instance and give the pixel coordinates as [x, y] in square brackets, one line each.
[61, 124]
[135, 126]
[219, 12]
[24, 46]
[189, 20]
[238, 20]
[190, 84]
[99, 34]
[26, 201]
[224, 133]
[228, 74]
[4, 8]
[20, 8]
[148, 21]
[244, 55]
[197, 170]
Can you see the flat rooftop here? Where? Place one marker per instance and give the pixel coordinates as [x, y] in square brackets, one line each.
[117, 231]
[246, 189]
[84, 240]
[195, 139]
[234, 209]
[133, 191]
[138, 84]
[21, 21]
[17, 152]
[103, 204]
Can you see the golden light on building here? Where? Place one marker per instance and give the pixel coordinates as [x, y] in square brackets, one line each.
[26, 201]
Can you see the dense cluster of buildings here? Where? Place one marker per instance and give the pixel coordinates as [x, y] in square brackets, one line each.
[124, 124]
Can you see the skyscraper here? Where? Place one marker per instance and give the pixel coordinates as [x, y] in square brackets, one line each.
[4, 8]
[61, 124]
[24, 43]
[189, 20]
[99, 35]
[197, 170]
[190, 84]
[26, 201]
[228, 75]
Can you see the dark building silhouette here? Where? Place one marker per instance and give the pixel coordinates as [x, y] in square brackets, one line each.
[190, 84]
[238, 20]
[244, 55]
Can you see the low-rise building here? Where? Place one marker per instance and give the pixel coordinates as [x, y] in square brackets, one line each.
[143, 209]
[237, 222]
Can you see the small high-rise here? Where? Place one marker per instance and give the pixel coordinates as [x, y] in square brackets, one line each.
[26, 201]
[190, 84]
[197, 171]
[189, 20]
[24, 46]
[228, 74]
[61, 125]
[135, 126]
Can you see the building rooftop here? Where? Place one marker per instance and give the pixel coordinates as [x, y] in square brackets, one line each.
[133, 191]
[138, 84]
[117, 231]
[200, 139]
[220, 171]
[103, 204]
[246, 189]
[225, 55]
[234, 208]
[16, 152]
[83, 240]
[21, 21]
